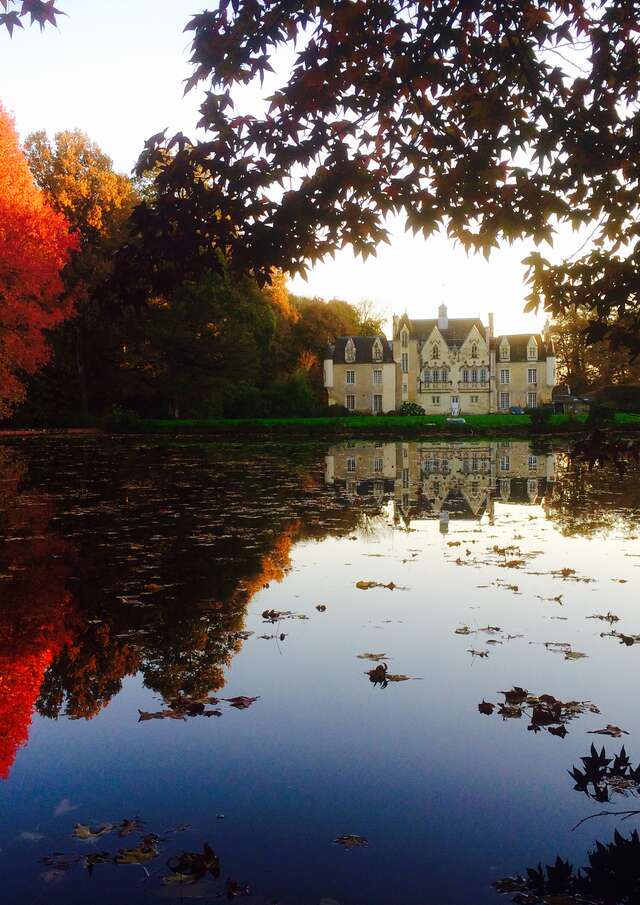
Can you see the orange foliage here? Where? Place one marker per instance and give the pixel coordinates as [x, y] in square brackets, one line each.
[35, 245]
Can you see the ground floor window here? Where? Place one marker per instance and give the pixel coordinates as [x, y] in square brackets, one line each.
[474, 399]
[504, 400]
[532, 400]
[377, 465]
[435, 400]
[351, 403]
[377, 404]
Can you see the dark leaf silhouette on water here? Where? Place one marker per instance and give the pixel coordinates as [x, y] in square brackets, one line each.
[350, 840]
[191, 867]
[604, 776]
[611, 877]
[381, 676]
[613, 731]
[544, 711]
[241, 702]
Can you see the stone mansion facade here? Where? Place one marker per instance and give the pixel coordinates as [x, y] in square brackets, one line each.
[452, 366]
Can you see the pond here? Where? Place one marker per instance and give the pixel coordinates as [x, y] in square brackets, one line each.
[254, 670]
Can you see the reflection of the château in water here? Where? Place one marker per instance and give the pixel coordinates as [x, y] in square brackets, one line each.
[444, 480]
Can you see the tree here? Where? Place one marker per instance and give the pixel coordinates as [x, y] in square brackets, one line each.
[587, 364]
[78, 179]
[43, 12]
[35, 246]
[491, 121]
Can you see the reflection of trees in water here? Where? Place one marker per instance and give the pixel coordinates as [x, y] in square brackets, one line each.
[169, 545]
[597, 487]
[36, 613]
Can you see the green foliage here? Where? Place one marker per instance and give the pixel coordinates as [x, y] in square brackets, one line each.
[600, 415]
[121, 421]
[541, 418]
[291, 397]
[622, 397]
[411, 408]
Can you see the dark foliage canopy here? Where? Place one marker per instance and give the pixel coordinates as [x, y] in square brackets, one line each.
[491, 121]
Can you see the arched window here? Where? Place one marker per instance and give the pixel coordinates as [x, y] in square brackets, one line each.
[377, 350]
[435, 351]
[404, 339]
[350, 351]
[474, 350]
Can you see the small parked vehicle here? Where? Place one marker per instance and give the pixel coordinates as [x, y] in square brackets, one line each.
[516, 410]
[456, 421]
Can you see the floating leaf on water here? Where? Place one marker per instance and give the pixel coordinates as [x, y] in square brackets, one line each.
[147, 850]
[464, 630]
[190, 867]
[478, 653]
[613, 731]
[370, 656]
[351, 840]
[606, 617]
[321, 608]
[574, 655]
[88, 834]
[241, 702]
[367, 585]
[486, 707]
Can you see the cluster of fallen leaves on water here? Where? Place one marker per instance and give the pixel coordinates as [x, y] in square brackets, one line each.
[186, 868]
[545, 712]
[181, 708]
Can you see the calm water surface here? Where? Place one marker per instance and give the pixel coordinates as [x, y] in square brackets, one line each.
[141, 578]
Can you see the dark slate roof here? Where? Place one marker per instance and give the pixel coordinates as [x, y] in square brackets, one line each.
[518, 344]
[457, 330]
[364, 350]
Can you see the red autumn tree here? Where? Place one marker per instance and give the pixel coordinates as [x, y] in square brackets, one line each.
[35, 245]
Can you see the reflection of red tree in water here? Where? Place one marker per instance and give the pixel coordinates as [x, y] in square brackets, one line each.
[35, 607]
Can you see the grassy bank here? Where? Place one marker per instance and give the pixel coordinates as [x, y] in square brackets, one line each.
[436, 425]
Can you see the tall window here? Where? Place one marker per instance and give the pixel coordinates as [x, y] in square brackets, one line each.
[484, 375]
[405, 478]
[532, 400]
[533, 463]
[351, 376]
[351, 403]
[377, 466]
[377, 376]
[405, 363]
[504, 401]
[435, 351]
[351, 463]
[404, 339]
[377, 404]
[474, 350]
[505, 375]
[532, 375]
[465, 375]
[426, 375]
[474, 375]
[505, 463]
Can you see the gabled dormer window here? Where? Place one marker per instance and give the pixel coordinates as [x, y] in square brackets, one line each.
[350, 351]
[505, 352]
[532, 350]
[435, 351]
[377, 350]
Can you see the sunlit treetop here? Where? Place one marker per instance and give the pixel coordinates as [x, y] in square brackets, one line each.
[491, 121]
[15, 12]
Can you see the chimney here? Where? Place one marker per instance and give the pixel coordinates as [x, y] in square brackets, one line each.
[490, 331]
[443, 320]
[395, 326]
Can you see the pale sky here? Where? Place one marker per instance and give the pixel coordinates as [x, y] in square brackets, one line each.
[115, 69]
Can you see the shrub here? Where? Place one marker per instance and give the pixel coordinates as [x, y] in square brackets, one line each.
[291, 397]
[624, 397]
[121, 421]
[333, 411]
[600, 415]
[411, 408]
[243, 401]
[541, 418]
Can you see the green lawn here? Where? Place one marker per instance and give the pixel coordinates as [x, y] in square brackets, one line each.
[358, 423]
